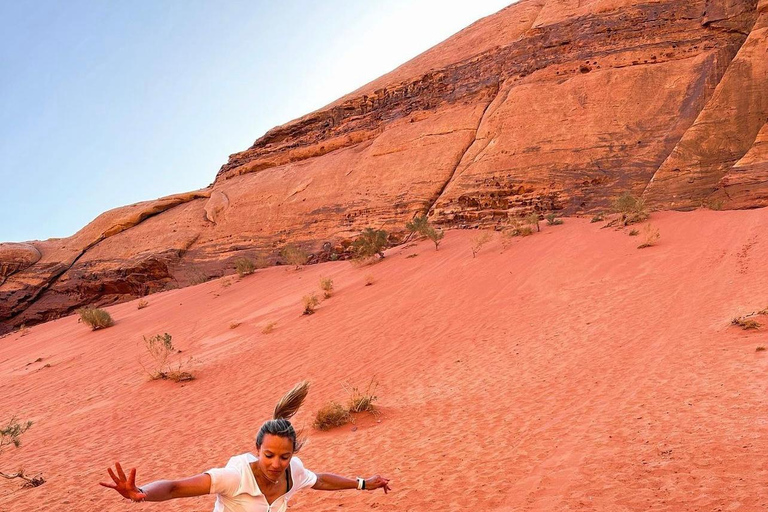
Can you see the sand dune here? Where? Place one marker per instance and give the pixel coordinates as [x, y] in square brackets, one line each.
[570, 371]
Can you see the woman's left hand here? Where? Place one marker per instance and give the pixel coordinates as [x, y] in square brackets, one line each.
[376, 482]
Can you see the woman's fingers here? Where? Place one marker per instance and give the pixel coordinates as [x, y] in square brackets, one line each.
[112, 474]
[120, 472]
[111, 486]
[132, 478]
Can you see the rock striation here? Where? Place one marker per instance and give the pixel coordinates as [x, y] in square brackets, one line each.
[547, 105]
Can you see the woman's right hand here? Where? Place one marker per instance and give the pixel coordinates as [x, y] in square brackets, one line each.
[125, 486]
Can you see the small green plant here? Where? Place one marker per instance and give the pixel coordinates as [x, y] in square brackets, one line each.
[746, 323]
[420, 224]
[95, 318]
[268, 327]
[310, 303]
[244, 266]
[142, 304]
[10, 435]
[630, 209]
[162, 352]
[331, 415]
[598, 217]
[533, 219]
[294, 255]
[553, 220]
[326, 284]
[650, 236]
[370, 243]
[479, 240]
[362, 400]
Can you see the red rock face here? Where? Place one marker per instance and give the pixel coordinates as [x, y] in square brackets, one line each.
[548, 105]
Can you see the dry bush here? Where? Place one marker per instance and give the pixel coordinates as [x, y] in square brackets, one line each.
[420, 224]
[370, 243]
[362, 401]
[162, 352]
[198, 276]
[630, 209]
[746, 323]
[634, 232]
[268, 327]
[533, 219]
[95, 318]
[369, 280]
[310, 303]
[650, 236]
[244, 266]
[326, 284]
[479, 240]
[10, 434]
[553, 220]
[142, 304]
[294, 255]
[235, 325]
[331, 415]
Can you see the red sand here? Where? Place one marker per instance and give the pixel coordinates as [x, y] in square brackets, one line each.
[571, 371]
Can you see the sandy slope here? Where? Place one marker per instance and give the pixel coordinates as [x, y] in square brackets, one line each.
[571, 371]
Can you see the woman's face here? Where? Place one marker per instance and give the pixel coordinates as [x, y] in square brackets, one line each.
[275, 454]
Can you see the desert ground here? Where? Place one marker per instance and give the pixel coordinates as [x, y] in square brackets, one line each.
[569, 370]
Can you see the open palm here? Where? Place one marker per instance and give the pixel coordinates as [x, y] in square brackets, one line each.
[126, 486]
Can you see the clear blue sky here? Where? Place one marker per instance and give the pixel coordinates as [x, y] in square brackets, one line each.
[104, 104]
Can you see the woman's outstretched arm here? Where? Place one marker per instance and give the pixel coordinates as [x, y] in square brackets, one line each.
[160, 490]
[331, 482]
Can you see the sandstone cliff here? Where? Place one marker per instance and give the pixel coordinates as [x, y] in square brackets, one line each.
[547, 105]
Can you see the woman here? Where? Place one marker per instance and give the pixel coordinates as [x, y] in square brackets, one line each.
[251, 483]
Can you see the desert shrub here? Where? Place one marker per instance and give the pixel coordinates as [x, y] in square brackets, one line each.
[310, 303]
[244, 266]
[162, 352]
[362, 400]
[198, 276]
[746, 323]
[479, 240]
[142, 304]
[11, 434]
[326, 284]
[331, 415]
[634, 232]
[713, 204]
[268, 327]
[630, 209]
[369, 243]
[553, 220]
[369, 280]
[420, 224]
[533, 219]
[95, 318]
[650, 236]
[294, 255]
[598, 217]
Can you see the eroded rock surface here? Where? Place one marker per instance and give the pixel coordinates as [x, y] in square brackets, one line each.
[548, 105]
